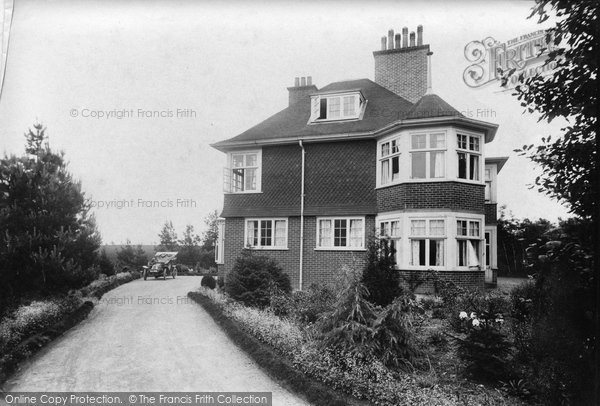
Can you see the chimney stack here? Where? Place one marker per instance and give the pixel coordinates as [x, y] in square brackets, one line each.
[302, 88]
[402, 66]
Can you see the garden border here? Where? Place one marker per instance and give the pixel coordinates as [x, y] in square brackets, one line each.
[271, 362]
[29, 346]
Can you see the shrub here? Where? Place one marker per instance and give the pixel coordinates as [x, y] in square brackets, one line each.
[220, 282]
[306, 307]
[251, 277]
[379, 276]
[208, 282]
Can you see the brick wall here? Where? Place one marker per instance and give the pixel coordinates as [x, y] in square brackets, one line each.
[403, 71]
[319, 266]
[432, 195]
[491, 213]
[339, 180]
[466, 279]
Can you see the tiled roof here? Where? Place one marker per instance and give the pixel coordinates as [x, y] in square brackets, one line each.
[383, 107]
[430, 106]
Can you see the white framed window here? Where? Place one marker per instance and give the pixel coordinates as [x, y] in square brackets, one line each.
[220, 242]
[389, 161]
[468, 240]
[340, 233]
[389, 230]
[468, 151]
[428, 155]
[331, 107]
[266, 233]
[488, 184]
[243, 174]
[427, 242]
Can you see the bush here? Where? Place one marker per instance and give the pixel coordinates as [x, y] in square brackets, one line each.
[306, 307]
[208, 282]
[379, 276]
[252, 278]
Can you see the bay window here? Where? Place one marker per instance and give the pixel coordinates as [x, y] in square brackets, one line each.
[340, 233]
[468, 237]
[427, 242]
[469, 156]
[266, 233]
[428, 155]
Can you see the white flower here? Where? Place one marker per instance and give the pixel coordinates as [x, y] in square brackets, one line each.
[500, 321]
[463, 315]
[475, 323]
[473, 315]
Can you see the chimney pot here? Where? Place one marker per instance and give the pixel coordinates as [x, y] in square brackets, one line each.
[412, 39]
[383, 43]
[391, 39]
[419, 35]
[296, 82]
[308, 80]
[303, 81]
[398, 41]
[404, 37]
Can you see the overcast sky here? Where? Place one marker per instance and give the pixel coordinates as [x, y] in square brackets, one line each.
[230, 65]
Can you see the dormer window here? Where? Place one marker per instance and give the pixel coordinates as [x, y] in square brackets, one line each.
[333, 107]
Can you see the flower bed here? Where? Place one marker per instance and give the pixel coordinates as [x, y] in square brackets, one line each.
[365, 379]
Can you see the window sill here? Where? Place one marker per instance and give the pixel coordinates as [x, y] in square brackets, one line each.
[243, 193]
[430, 180]
[266, 248]
[349, 249]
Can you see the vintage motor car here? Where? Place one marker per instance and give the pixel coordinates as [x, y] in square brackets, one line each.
[161, 265]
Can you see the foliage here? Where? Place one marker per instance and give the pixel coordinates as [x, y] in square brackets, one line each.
[188, 248]
[251, 278]
[168, 237]
[305, 306]
[105, 265]
[379, 276]
[209, 238]
[49, 239]
[208, 282]
[131, 257]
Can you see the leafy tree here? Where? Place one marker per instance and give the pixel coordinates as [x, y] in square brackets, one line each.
[168, 237]
[49, 239]
[131, 257]
[106, 265]
[189, 250]
[570, 163]
[211, 233]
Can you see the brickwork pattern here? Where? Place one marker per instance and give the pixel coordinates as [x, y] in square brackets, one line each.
[465, 279]
[403, 71]
[432, 195]
[491, 213]
[320, 267]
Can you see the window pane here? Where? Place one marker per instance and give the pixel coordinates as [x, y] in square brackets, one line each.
[436, 252]
[385, 149]
[237, 160]
[251, 160]
[349, 105]
[418, 165]
[395, 168]
[339, 233]
[436, 227]
[462, 252]
[474, 167]
[266, 233]
[437, 164]
[462, 141]
[383, 229]
[252, 233]
[417, 227]
[487, 249]
[488, 190]
[280, 233]
[473, 252]
[385, 171]
[474, 143]
[237, 180]
[474, 228]
[250, 183]
[395, 148]
[437, 140]
[323, 110]
[356, 232]
[488, 174]
[324, 233]
[462, 165]
[417, 256]
[334, 107]
[461, 227]
[419, 141]
[395, 229]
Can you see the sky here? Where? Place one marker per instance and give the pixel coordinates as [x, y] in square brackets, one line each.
[135, 91]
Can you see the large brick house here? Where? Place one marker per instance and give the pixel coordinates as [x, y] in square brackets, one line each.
[360, 159]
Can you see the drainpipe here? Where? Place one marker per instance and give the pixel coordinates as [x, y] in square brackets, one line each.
[301, 218]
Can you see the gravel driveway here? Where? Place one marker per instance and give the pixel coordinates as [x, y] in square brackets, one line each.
[146, 336]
